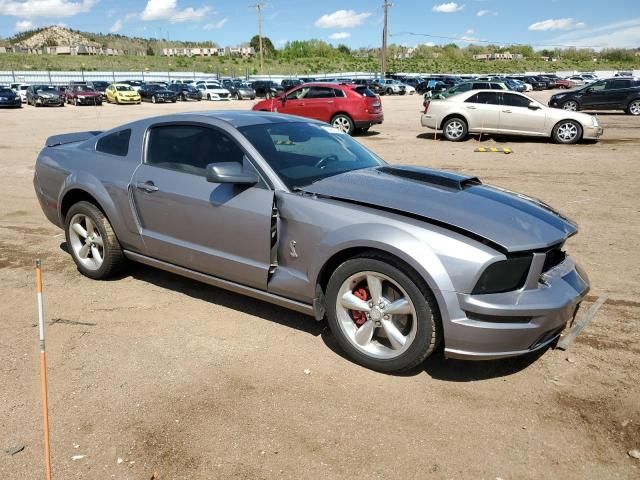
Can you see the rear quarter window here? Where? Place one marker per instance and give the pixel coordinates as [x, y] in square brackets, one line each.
[364, 91]
[116, 143]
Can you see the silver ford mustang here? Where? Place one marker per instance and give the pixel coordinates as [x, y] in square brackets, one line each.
[288, 210]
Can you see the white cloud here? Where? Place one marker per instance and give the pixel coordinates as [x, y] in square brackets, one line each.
[116, 27]
[624, 34]
[22, 25]
[556, 24]
[339, 35]
[168, 10]
[216, 25]
[450, 7]
[486, 13]
[342, 19]
[469, 32]
[45, 8]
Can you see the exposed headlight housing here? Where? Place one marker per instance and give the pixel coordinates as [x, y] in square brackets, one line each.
[503, 276]
[595, 122]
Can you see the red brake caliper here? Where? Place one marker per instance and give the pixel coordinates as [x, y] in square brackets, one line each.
[359, 317]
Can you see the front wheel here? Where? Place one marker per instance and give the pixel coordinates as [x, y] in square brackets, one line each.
[344, 123]
[634, 108]
[92, 241]
[382, 315]
[154, 99]
[570, 106]
[567, 132]
[455, 129]
[238, 96]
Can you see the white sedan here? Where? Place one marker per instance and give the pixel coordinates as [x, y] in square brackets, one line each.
[509, 113]
[213, 91]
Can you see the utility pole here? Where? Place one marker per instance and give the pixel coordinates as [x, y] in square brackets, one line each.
[385, 32]
[259, 6]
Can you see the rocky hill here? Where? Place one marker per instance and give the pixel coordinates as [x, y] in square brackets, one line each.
[51, 36]
[55, 35]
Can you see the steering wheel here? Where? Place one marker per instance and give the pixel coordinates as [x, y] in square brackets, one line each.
[324, 161]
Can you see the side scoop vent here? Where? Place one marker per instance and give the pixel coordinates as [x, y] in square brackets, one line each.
[435, 178]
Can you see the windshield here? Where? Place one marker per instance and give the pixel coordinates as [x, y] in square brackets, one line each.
[5, 90]
[302, 153]
[124, 88]
[47, 90]
[82, 88]
[100, 84]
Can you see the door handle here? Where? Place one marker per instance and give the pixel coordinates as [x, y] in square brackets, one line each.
[330, 101]
[147, 186]
[506, 111]
[471, 107]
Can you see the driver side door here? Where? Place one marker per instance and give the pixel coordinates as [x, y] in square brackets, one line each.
[594, 96]
[293, 103]
[220, 229]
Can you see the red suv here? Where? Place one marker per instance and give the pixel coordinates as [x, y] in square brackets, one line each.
[348, 107]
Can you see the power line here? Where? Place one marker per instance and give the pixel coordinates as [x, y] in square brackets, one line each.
[474, 40]
[259, 6]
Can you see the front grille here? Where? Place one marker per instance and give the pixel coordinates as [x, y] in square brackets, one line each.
[555, 256]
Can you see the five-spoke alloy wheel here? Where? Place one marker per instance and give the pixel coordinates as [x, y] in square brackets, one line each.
[383, 316]
[92, 242]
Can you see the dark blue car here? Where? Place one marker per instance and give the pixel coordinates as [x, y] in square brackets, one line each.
[9, 98]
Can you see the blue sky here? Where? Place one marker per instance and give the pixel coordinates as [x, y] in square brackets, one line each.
[357, 23]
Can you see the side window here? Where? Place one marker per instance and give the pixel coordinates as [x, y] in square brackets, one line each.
[597, 87]
[338, 93]
[320, 92]
[298, 93]
[619, 84]
[515, 100]
[190, 148]
[115, 143]
[487, 98]
[495, 86]
[480, 85]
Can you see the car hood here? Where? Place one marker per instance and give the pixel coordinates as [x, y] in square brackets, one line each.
[510, 221]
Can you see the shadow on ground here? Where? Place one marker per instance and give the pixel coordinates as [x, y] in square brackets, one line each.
[436, 366]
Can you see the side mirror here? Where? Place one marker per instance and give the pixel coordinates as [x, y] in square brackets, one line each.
[230, 172]
[589, 90]
[534, 106]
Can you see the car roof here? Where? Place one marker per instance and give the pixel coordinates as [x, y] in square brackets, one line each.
[245, 118]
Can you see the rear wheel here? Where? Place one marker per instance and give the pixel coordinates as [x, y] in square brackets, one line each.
[570, 105]
[567, 132]
[634, 108]
[344, 123]
[382, 315]
[389, 91]
[92, 241]
[455, 129]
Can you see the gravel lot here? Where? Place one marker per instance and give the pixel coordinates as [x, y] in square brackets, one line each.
[184, 381]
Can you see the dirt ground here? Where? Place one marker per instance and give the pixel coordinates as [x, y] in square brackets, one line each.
[156, 375]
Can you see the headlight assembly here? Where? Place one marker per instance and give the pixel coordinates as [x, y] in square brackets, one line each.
[503, 276]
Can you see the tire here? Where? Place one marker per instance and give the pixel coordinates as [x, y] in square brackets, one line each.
[154, 99]
[389, 91]
[238, 96]
[117, 101]
[417, 329]
[208, 96]
[567, 132]
[343, 122]
[75, 102]
[570, 106]
[634, 107]
[112, 257]
[455, 129]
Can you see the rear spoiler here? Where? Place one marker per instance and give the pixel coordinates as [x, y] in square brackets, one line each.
[65, 138]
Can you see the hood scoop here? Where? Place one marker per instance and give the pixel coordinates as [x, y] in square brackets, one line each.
[435, 178]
